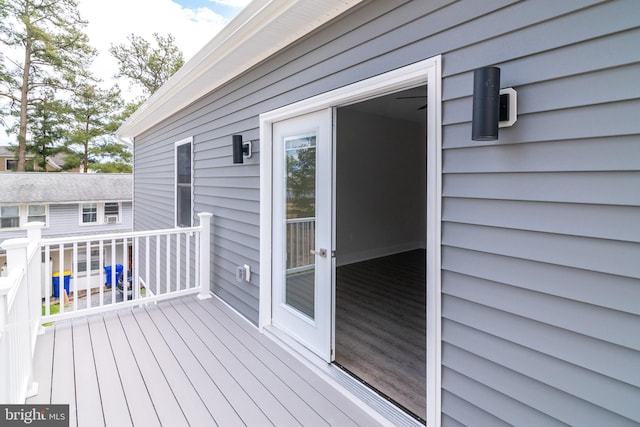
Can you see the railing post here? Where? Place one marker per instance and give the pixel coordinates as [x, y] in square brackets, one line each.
[34, 278]
[16, 323]
[204, 275]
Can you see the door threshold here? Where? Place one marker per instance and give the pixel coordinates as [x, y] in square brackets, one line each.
[380, 394]
[382, 409]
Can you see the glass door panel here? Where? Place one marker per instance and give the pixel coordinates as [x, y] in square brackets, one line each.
[300, 208]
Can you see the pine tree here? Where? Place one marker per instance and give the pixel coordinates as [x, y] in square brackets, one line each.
[145, 65]
[93, 122]
[47, 123]
[54, 52]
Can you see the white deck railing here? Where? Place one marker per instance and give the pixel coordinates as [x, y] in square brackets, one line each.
[151, 265]
[20, 306]
[301, 239]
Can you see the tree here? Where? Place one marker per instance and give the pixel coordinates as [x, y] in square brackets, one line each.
[93, 123]
[47, 122]
[145, 65]
[48, 34]
[301, 181]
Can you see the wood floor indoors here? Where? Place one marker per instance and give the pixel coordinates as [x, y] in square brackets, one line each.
[381, 326]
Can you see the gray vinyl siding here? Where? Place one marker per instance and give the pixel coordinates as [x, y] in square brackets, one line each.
[540, 231]
[64, 219]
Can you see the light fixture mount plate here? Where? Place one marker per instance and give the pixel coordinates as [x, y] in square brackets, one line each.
[508, 107]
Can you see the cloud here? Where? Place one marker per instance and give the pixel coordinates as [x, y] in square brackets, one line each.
[111, 22]
[232, 3]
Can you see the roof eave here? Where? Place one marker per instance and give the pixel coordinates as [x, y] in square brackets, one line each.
[260, 30]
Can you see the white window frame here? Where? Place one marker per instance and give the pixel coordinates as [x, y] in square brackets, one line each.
[429, 72]
[46, 212]
[175, 183]
[20, 221]
[101, 218]
[81, 210]
[23, 215]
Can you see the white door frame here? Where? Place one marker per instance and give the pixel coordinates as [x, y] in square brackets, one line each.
[427, 72]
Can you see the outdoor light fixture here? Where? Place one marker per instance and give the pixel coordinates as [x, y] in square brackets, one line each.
[240, 149]
[492, 107]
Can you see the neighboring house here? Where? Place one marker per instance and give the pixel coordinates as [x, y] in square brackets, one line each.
[360, 119]
[68, 204]
[8, 161]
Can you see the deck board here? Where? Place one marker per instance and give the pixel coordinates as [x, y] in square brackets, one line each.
[88, 400]
[199, 368]
[233, 338]
[182, 362]
[268, 409]
[336, 409]
[63, 373]
[43, 365]
[164, 399]
[114, 403]
[137, 397]
[193, 407]
[217, 368]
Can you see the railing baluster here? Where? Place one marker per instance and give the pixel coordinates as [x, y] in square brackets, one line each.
[135, 279]
[73, 280]
[47, 280]
[87, 279]
[158, 284]
[114, 275]
[61, 277]
[168, 262]
[147, 262]
[197, 253]
[188, 263]
[101, 272]
[178, 260]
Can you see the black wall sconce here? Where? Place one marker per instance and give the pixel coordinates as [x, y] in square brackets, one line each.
[240, 149]
[492, 107]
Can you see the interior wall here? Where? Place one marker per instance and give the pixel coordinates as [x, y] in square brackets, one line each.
[381, 186]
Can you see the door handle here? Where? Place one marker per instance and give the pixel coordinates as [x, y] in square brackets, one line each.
[321, 252]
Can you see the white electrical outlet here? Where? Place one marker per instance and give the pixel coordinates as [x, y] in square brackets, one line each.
[247, 272]
[243, 273]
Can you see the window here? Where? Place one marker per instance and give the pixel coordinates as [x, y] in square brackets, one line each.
[16, 216]
[184, 213]
[9, 216]
[37, 213]
[89, 213]
[112, 213]
[98, 213]
[12, 165]
[94, 261]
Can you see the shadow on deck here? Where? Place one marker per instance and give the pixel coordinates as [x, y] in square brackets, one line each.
[181, 362]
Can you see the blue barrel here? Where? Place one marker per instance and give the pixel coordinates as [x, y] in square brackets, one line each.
[56, 283]
[107, 270]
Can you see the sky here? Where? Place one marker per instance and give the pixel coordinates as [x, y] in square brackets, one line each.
[192, 23]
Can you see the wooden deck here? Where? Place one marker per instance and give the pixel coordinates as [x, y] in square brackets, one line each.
[179, 363]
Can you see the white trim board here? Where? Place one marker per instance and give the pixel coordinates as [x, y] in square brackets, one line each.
[424, 72]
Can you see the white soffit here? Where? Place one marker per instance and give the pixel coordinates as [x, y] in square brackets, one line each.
[260, 30]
